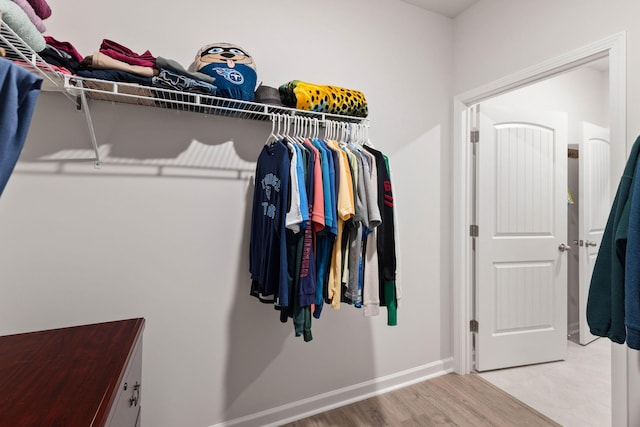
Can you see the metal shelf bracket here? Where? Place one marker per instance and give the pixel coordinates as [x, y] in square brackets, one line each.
[92, 132]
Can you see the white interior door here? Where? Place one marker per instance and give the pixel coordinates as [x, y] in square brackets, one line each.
[521, 208]
[595, 203]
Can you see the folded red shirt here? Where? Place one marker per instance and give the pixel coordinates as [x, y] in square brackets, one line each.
[41, 8]
[64, 46]
[124, 54]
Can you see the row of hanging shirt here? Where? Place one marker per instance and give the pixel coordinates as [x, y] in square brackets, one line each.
[322, 225]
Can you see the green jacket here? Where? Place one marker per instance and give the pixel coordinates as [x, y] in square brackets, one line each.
[605, 305]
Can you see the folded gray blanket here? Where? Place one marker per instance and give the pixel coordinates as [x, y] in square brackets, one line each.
[176, 67]
[33, 16]
[19, 22]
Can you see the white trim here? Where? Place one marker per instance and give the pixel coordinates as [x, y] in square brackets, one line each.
[573, 329]
[344, 396]
[615, 48]
[620, 387]
[462, 309]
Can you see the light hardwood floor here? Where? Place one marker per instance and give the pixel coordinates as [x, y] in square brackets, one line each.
[449, 400]
[575, 393]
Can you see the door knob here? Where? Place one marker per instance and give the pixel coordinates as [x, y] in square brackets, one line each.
[587, 243]
[564, 248]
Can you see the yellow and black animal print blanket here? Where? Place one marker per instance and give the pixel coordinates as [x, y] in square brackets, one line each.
[323, 99]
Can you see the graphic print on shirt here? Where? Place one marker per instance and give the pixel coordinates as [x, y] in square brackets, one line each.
[388, 198]
[306, 251]
[270, 183]
[230, 75]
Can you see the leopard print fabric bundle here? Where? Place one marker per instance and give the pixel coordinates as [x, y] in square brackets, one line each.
[323, 99]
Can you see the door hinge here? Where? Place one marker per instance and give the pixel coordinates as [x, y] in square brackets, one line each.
[473, 325]
[474, 136]
[474, 230]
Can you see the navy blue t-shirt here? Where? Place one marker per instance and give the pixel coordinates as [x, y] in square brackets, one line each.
[268, 250]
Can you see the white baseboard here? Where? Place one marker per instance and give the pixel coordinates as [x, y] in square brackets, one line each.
[344, 396]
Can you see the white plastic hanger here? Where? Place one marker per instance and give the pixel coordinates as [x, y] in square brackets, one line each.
[298, 133]
[316, 128]
[278, 118]
[272, 136]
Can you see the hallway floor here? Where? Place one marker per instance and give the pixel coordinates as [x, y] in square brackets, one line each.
[574, 392]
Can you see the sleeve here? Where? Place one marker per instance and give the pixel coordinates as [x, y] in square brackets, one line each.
[283, 283]
[254, 239]
[632, 269]
[606, 300]
[388, 242]
[19, 90]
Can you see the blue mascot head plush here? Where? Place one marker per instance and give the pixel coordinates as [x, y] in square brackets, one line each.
[231, 66]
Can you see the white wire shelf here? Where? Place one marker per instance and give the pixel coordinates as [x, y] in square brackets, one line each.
[20, 52]
[152, 96]
[80, 89]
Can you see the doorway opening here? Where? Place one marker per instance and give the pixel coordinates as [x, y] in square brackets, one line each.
[610, 50]
[542, 199]
[538, 293]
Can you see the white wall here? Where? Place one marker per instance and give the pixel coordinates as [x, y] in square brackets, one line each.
[581, 93]
[539, 31]
[496, 38]
[584, 96]
[79, 245]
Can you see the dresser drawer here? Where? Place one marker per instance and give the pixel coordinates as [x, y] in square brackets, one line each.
[126, 407]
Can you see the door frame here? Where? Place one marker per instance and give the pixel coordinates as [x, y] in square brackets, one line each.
[613, 47]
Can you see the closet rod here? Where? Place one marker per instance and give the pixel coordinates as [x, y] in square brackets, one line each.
[322, 121]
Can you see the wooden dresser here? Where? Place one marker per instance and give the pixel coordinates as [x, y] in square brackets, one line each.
[79, 376]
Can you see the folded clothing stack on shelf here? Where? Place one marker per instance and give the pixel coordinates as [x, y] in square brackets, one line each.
[115, 62]
[221, 80]
[25, 18]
